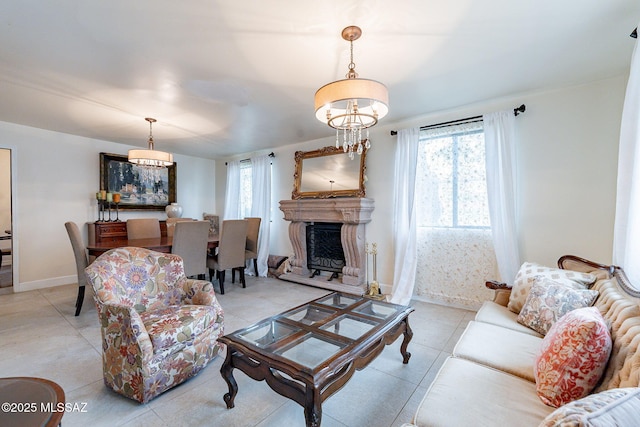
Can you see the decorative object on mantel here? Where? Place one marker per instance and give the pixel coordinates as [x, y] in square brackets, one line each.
[173, 210]
[150, 160]
[352, 104]
[328, 173]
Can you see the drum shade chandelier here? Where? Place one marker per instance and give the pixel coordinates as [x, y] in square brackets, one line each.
[150, 160]
[352, 105]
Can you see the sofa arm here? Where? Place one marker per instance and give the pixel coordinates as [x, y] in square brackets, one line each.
[502, 292]
[197, 292]
[124, 333]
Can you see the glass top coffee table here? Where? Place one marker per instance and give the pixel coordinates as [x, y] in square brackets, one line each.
[311, 351]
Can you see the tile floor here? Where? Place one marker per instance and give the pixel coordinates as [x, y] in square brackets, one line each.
[40, 337]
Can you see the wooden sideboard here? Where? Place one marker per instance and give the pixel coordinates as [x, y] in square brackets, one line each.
[100, 232]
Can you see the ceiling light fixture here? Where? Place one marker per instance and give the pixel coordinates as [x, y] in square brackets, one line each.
[151, 161]
[352, 104]
[151, 157]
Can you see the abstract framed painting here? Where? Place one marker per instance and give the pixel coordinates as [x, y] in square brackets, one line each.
[140, 188]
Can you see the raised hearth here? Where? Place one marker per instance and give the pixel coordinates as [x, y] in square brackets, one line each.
[353, 213]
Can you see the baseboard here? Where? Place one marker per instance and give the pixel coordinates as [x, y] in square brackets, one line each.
[385, 289]
[453, 302]
[45, 283]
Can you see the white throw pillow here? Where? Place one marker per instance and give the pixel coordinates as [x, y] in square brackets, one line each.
[615, 407]
[529, 271]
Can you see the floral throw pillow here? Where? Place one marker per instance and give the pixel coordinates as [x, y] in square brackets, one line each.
[548, 301]
[572, 357]
[530, 270]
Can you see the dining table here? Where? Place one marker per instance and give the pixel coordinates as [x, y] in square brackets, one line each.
[158, 244]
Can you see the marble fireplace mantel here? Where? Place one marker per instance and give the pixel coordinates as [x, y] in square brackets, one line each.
[353, 213]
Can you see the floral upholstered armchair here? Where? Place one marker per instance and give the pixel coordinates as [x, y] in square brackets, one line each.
[159, 328]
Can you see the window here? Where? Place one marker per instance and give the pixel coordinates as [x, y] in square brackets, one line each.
[454, 235]
[451, 178]
[246, 188]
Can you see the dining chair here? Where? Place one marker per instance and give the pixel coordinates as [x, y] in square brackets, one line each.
[171, 224]
[190, 240]
[251, 248]
[143, 228]
[233, 236]
[82, 261]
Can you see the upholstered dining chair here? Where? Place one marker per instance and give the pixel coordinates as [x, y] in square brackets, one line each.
[82, 261]
[158, 327]
[143, 228]
[171, 224]
[190, 240]
[233, 236]
[251, 248]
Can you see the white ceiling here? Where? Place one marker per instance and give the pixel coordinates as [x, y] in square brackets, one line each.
[230, 77]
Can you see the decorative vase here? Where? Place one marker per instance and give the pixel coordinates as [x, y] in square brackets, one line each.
[173, 210]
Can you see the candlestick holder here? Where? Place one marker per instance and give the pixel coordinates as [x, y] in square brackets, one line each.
[109, 207]
[100, 210]
[116, 199]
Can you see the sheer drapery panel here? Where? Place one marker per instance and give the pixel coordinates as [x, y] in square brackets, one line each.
[404, 216]
[626, 244]
[232, 193]
[261, 207]
[500, 143]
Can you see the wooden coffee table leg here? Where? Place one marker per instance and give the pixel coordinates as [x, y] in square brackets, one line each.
[227, 374]
[408, 334]
[312, 407]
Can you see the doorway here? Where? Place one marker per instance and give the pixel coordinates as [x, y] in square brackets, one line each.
[6, 223]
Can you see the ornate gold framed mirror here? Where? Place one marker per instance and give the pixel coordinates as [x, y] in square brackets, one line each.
[328, 172]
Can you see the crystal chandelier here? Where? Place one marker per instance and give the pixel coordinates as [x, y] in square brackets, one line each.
[352, 105]
[150, 161]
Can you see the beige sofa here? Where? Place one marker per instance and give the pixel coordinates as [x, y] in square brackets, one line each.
[489, 378]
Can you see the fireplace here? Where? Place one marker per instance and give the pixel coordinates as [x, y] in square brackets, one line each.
[344, 218]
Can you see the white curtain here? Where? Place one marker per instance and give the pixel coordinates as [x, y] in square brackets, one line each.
[626, 241]
[500, 145]
[404, 217]
[232, 193]
[261, 207]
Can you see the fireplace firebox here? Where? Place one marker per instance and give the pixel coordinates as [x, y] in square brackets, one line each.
[324, 248]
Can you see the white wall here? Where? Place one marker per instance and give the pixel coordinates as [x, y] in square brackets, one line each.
[57, 178]
[566, 163]
[567, 158]
[568, 171]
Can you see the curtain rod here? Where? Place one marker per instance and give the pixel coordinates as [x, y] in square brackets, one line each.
[271, 154]
[516, 111]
